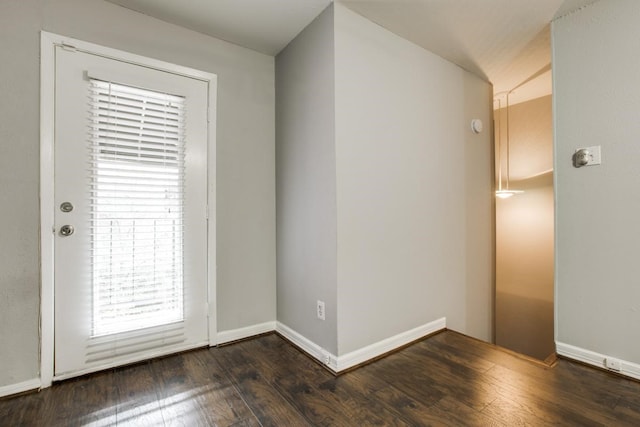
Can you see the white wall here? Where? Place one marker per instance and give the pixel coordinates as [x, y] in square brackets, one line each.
[306, 182]
[597, 102]
[245, 160]
[403, 145]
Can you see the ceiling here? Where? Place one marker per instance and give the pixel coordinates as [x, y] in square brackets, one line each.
[263, 25]
[506, 42]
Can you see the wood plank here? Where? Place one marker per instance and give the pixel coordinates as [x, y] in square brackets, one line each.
[344, 402]
[411, 410]
[449, 409]
[514, 414]
[268, 405]
[546, 400]
[27, 409]
[298, 390]
[194, 390]
[447, 379]
[453, 354]
[411, 380]
[138, 400]
[324, 399]
[487, 352]
[593, 387]
[627, 412]
[439, 375]
[89, 400]
[99, 396]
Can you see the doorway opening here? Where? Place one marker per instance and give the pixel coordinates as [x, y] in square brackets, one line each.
[524, 293]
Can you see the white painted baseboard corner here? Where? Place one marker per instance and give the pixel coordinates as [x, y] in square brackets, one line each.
[341, 363]
[308, 346]
[598, 360]
[374, 350]
[224, 337]
[21, 387]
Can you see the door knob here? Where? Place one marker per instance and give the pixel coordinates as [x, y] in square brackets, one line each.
[581, 158]
[66, 230]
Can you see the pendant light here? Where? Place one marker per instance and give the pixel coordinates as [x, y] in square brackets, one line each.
[503, 193]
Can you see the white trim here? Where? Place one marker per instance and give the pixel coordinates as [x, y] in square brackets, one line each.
[29, 385]
[308, 346]
[246, 332]
[365, 354]
[592, 358]
[374, 350]
[48, 42]
[556, 167]
[123, 56]
[211, 214]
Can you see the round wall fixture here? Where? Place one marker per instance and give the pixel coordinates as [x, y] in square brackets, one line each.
[476, 125]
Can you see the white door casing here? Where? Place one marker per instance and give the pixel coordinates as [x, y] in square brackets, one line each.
[67, 279]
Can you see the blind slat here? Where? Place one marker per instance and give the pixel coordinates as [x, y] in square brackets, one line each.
[105, 136]
[136, 128]
[112, 98]
[108, 88]
[99, 110]
[134, 118]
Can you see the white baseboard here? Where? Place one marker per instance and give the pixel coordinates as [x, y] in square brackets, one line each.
[246, 332]
[374, 350]
[349, 360]
[308, 346]
[10, 389]
[357, 357]
[589, 357]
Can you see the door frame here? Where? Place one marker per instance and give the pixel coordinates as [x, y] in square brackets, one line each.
[48, 44]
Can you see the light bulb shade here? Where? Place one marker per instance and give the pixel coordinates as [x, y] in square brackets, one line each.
[505, 194]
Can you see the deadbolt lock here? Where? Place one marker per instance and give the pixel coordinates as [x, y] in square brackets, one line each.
[66, 230]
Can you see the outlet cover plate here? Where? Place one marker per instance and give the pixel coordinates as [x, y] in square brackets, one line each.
[613, 364]
[320, 310]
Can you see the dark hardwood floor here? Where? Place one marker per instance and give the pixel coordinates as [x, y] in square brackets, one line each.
[447, 379]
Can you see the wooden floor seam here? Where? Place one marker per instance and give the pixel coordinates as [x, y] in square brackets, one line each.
[446, 379]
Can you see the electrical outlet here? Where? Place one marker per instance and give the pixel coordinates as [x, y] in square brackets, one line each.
[327, 358]
[613, 364]
[320, 310]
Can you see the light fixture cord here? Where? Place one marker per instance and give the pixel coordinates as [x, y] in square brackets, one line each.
[499, 145]
[508, 135]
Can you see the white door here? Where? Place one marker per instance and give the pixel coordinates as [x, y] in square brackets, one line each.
[130, 200]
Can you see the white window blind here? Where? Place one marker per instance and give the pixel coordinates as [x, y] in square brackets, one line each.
[137, 140]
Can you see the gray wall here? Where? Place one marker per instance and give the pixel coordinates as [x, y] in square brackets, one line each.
[384, 193]
[245, 160]
[19, 186]
[479, 210]
[597, 102]
[413, 188]
[306, 182]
